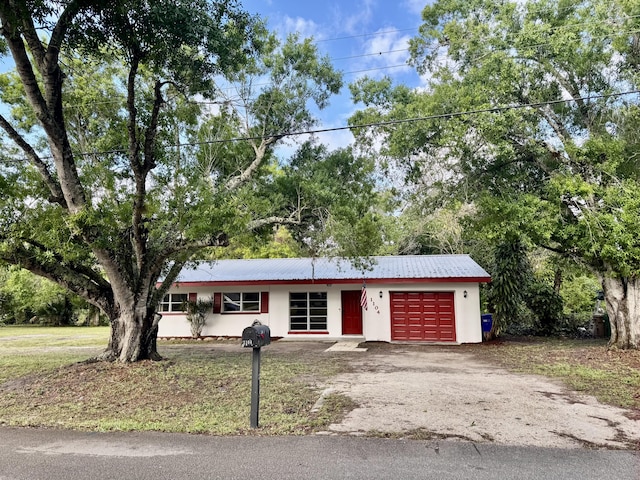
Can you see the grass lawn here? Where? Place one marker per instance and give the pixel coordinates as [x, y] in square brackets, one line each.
[204, 387]
[612, 376]
[199, 390]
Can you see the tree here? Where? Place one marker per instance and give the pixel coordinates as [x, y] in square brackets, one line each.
[325, 203]
[125, 160]
[510, 277]
[528, 104]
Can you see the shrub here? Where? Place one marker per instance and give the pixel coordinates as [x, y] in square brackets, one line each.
[197, 315]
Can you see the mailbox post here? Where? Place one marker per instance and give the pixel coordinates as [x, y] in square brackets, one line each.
[256, 336]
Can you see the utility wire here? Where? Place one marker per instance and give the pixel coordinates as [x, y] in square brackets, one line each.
[383, 32]
[372, 124]
[378, 124]
[414, 119]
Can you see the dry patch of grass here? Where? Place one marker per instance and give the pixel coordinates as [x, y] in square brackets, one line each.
[612, 376]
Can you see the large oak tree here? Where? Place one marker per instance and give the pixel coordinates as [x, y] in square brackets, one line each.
[122, 155]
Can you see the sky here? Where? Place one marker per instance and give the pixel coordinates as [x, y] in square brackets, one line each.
[362, 37]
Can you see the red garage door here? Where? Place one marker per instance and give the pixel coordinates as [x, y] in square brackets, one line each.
[423, 316]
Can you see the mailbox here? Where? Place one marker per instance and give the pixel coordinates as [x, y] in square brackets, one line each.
[256, 336]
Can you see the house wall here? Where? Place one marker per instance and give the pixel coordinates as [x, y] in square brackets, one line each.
[376, 319]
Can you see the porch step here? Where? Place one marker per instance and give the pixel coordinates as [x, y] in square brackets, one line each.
[345, 347]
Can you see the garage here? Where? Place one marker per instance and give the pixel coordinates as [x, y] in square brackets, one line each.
[423, 316]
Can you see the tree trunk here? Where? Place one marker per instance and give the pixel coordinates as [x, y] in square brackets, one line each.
[622, 296]
[133, 338]
[557, 281]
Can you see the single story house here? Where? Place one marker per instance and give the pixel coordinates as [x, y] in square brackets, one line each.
[421, 298]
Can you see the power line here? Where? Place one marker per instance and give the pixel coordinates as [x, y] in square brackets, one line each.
[383, 32]
[372, 124]
[372, 54]
[415, 119]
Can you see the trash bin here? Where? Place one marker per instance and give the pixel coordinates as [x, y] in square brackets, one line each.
[487, 322]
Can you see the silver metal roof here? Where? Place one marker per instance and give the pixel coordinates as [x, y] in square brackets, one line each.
[410, 267]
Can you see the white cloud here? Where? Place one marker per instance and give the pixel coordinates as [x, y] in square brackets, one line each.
[385, 48]
[306, 28]
[336, 139]
[415, 6]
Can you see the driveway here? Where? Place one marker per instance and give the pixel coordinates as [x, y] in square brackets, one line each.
[444, 393]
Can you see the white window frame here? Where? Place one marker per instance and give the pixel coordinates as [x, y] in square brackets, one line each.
[174, 303]
[241, 302]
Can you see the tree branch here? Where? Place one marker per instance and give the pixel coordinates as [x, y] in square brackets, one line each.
[54, 187]
[180, 246]
[35, 45]
[24, 67]
[260, 151]
[134, 146]
[561, 132]
[169, 279]
[152, 129]
[47, 107]
[293, 219]
[59, 32]
[76, 278]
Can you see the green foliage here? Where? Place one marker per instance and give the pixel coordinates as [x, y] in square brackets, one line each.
[276, 244]
[26, 298]
[437, 232]
[122, 159]
[546, 305]
[579, 294]
[528, 118]
[510, 278]
[334, 198]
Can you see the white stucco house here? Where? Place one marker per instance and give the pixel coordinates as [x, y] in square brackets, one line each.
[423, 298]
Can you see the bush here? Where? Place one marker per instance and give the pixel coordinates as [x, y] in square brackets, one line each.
[197, 315]
[545, 305]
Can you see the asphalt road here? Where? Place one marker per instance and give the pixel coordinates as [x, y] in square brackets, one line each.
[33, 454]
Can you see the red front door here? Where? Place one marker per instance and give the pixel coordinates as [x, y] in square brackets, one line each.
[351, 313]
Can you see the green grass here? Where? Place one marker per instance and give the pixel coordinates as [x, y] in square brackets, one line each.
[33, 350]
[34, 337]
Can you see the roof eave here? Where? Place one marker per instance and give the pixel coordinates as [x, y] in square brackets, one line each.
[333, 281]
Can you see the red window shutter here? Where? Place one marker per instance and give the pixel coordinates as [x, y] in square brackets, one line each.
[217, 302]
[264, 302]
[193, 297]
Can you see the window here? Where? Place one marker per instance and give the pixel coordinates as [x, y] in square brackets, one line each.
[241, 302]
[174, 302]
[308, 311]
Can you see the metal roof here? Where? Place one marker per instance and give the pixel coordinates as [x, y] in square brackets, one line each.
[324, 270]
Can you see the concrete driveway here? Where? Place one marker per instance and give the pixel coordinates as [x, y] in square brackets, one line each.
[444, 393]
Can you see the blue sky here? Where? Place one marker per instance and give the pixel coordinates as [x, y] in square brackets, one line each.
[362, 37]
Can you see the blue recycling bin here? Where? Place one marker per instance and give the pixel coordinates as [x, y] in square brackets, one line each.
[487, 322]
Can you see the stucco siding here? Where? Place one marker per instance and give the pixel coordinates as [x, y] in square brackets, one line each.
[376, 323]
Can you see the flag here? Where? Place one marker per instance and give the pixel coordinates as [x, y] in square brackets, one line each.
[363, 297]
